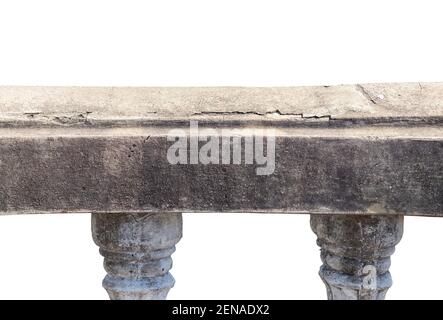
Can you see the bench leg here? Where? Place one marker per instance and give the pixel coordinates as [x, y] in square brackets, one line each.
[137, 250]
[355, 251]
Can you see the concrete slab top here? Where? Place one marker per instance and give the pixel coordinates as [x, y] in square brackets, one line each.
[94, 105]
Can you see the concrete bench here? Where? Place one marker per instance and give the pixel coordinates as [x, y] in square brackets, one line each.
[357, 158]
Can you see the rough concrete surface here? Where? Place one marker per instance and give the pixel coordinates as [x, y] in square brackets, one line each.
[132, 174]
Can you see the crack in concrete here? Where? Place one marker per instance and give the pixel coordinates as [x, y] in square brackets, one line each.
[268, 113]
[365, 93]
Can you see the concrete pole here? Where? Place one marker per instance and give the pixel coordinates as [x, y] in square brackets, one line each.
[137, 250]
[355, 251]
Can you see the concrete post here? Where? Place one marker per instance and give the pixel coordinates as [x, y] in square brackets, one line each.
[355, 251]
[137, 250]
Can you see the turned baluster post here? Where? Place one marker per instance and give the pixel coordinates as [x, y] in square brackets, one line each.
[355, 251]
[137, 250]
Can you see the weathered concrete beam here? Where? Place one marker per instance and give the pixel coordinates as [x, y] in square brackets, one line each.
[367, 149]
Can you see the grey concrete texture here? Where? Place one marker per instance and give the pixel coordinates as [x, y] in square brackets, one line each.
[132, 174]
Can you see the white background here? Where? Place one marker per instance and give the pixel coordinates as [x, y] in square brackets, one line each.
[202, 43]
